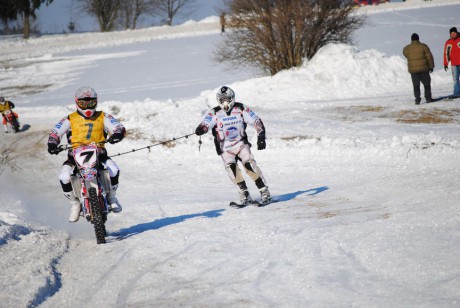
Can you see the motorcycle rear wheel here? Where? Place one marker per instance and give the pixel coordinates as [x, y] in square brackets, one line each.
[15, 125]
[98, 218]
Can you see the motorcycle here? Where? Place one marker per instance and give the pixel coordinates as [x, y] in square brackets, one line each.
[90, 184]
[10, 118]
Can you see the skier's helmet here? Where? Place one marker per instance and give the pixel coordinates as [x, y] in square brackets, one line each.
[225, 98]
[86, 100]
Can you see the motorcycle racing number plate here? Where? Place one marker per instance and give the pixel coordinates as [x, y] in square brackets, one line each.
[85, 156]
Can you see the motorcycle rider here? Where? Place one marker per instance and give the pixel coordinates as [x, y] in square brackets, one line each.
[84, 126]
[4, 106]
[228, 122]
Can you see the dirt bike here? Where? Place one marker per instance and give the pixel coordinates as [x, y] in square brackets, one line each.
[11, 120]
[90, 184]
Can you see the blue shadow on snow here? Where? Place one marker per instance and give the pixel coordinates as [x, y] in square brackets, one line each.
[290, 196]
[160, 223]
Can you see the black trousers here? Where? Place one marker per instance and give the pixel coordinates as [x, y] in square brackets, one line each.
[425, 79]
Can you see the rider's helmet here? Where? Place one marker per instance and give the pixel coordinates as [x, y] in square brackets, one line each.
[225, 98]
[86, 100]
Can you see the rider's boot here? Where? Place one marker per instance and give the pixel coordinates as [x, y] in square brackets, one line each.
[265, 195]
[75, 207]
[245, 197]
[112, 199]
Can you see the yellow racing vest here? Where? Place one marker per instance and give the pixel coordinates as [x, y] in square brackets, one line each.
[85, 131]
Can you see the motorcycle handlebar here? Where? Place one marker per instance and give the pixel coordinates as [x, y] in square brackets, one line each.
[63, 147]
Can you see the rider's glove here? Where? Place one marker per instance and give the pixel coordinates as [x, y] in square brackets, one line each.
[53, 148]
[261, 143]
[115, 138]
[201, 130]
[446, 68]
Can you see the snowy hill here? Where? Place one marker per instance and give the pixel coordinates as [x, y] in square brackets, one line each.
[368, 182]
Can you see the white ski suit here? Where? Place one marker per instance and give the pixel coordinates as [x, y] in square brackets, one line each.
[231, 141]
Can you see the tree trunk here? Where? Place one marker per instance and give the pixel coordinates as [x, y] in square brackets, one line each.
[26, 30]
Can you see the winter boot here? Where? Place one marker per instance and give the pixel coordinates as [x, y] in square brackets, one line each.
[75, 207]
[265, 195]
[245, 198]
[112, 200]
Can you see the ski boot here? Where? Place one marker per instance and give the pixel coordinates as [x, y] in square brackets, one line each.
[245, 198]
[265, 195]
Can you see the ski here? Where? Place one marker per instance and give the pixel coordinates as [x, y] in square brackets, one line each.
[253, 202]
[241, 205]
[262, 204]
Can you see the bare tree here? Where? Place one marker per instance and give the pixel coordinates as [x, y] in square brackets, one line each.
[106, 12]
[278, 34]
[131, 10]
[173, 8]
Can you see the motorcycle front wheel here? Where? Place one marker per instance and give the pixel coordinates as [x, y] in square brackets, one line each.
[98, 218]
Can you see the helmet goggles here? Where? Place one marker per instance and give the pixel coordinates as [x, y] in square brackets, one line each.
[87, 103]
[224, 100]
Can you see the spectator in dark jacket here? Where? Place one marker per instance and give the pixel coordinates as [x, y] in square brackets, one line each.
[420, 64]
[222, 22]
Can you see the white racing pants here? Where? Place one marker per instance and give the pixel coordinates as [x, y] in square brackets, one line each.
[67, 171]
[244, 154]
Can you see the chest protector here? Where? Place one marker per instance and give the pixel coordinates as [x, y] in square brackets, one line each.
[85, 131]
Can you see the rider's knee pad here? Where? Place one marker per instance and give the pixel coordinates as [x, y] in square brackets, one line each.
[251, 165]
[65, 173]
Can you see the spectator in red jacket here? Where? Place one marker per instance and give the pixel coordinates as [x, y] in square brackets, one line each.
[452, 55]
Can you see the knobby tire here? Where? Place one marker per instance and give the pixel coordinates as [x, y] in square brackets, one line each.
[15, 125]
[98, 218]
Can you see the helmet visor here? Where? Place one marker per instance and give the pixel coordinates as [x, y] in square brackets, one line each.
[224, 100]
[87, 103]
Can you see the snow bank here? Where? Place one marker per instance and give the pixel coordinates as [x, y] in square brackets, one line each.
[336, 72]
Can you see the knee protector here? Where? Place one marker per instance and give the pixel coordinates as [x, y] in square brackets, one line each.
[65, 173]
[234, 173]
[252, 170]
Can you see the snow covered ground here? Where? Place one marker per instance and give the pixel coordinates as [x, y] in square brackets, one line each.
[369, 215]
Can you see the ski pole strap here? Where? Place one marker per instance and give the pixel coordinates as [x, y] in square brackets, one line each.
[152, 145]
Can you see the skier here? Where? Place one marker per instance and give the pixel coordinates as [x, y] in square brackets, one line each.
[5, 106]
[228, 122]
[86, 125]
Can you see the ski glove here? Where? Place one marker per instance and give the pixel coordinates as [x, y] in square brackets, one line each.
[446, 68]
[201, 130]
[261, 144]
[115, 138]
[53, 149]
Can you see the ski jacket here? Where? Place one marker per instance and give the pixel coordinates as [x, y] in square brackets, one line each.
[10, 117]
[7, 105]
[229, 128]
[419, 57]
[80, 130]
[452, 51]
